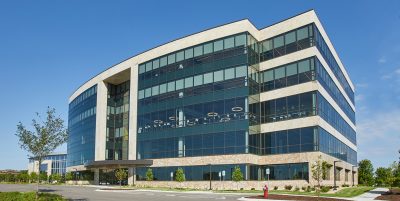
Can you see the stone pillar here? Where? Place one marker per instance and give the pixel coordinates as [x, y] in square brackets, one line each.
[131, 176]
[96, 179]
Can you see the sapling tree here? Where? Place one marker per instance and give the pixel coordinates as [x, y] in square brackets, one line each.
[47, 135]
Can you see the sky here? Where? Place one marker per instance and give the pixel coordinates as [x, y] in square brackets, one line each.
[49, 48]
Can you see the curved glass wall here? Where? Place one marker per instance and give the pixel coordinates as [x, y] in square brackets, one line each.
[82, 128]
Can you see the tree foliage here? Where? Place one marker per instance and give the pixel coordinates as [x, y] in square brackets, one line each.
[237, 174]
[69, 176]
[149, 175]
[318, 173]
[383, 176]
[120, 174]
[180, 175]
[47, 135]
[365, 173]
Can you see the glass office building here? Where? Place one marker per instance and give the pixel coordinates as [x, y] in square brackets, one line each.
[232, 96]
[54, 163]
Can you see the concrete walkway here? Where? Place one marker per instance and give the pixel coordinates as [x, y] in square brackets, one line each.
[371, 195]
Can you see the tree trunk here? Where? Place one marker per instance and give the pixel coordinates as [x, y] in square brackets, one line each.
[38, 180]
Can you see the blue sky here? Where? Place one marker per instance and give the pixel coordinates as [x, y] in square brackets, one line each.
[49, 48]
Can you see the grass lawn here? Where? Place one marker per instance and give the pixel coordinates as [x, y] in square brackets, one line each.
[29, 196]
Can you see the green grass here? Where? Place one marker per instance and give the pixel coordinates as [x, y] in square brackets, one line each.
[29, 196]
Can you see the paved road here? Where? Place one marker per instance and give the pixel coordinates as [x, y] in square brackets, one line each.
[91, 193]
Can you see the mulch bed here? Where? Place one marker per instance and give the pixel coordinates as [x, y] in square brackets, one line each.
[392, 196]
[290, 197]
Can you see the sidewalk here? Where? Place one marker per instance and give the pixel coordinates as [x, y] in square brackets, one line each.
[371, 195]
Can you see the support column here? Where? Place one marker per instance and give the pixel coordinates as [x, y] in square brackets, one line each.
[131, 176]
[96, 179]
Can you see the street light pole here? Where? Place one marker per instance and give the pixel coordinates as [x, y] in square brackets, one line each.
[210, 177]
[334, 175]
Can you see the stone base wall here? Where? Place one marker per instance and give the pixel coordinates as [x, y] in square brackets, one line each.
[224, 185]
[80, 182]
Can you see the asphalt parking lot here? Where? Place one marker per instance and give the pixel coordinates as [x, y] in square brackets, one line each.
[93, 193]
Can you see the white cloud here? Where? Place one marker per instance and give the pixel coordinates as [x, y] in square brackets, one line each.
[397, 71]
[359, 97]
[362, 85]
[386, 77]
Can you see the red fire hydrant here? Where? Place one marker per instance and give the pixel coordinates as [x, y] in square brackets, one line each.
[265, 189]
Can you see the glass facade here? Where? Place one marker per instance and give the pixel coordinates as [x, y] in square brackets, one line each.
[82, 128]
[291, 171]
[195, 102]
[58, 163]
[117, 133]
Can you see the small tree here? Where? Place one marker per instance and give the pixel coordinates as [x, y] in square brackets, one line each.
[33, 177]
[237, 175]
[317, 173]
[69, 176]
[149, 175]
[120, 174]
[56, 178]
[47, 136]
[43, 176]
[326, 168]
[180, 175]
[383, 176]
[365, 173]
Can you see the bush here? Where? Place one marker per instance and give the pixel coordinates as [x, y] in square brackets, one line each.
[29, 196]
[312, 189]
[296, 189]
[345, 185]
[303, 188]
[253, 189]
[275, 188]
[325, 189]
[288, 187]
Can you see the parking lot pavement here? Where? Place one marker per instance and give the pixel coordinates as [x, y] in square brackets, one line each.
[93, 193]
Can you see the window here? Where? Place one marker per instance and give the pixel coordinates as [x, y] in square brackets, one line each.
[208, 78]
[198, 51]
[302, 33]
[171, 86]
[218, 76]
[229, 73]
[290, 37]
[149, 66]
[179, 84]
[240, 40]
[241, 71]
[147, 92]
[171, 59]
[142, 68]
[198, 80]
[304, 66]
[141, 94]
[229, 43]
[279, 72]
[267, 45]
[163, 88]
[208, 48]
[278, 42]
[163, 61]
[155, 90]
[188, 82]
[180, 56]
[291, 69]
[189, 53]
[156, 64]
[218, 45]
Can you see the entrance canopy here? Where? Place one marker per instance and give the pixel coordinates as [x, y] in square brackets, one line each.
[113, 164]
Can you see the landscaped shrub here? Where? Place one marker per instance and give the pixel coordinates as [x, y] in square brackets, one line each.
[296, 189]
[345, 185]
[308, 189]
[303, 188]
[312, 189]
[325, 189]
[288, 187]
[275, 188]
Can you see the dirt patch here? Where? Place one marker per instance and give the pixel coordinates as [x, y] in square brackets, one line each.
[291, 197]
[393, 195]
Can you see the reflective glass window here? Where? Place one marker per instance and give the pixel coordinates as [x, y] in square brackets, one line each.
[218, 45]
[278, 41]
[155, 90]
[198, 51]
[163, 61]
[208, 78]
[180, 56]
[156, 64]
[142, 68]
[279, 72]
[290, 37]
[147, 92]
[304, 66]
[208, 48]
[198, 80]
[149, 66]
[291, 69]
[229, 73]
[163, 88]
[267, 45]
[189, 53]
[171, 58]
[241, 71]
[218, 76]
[171, 86]
[240, 40]
[141, 94]
[188, 82]
[302, 33]
[229, 43]
[179, 84]
[268, 75]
